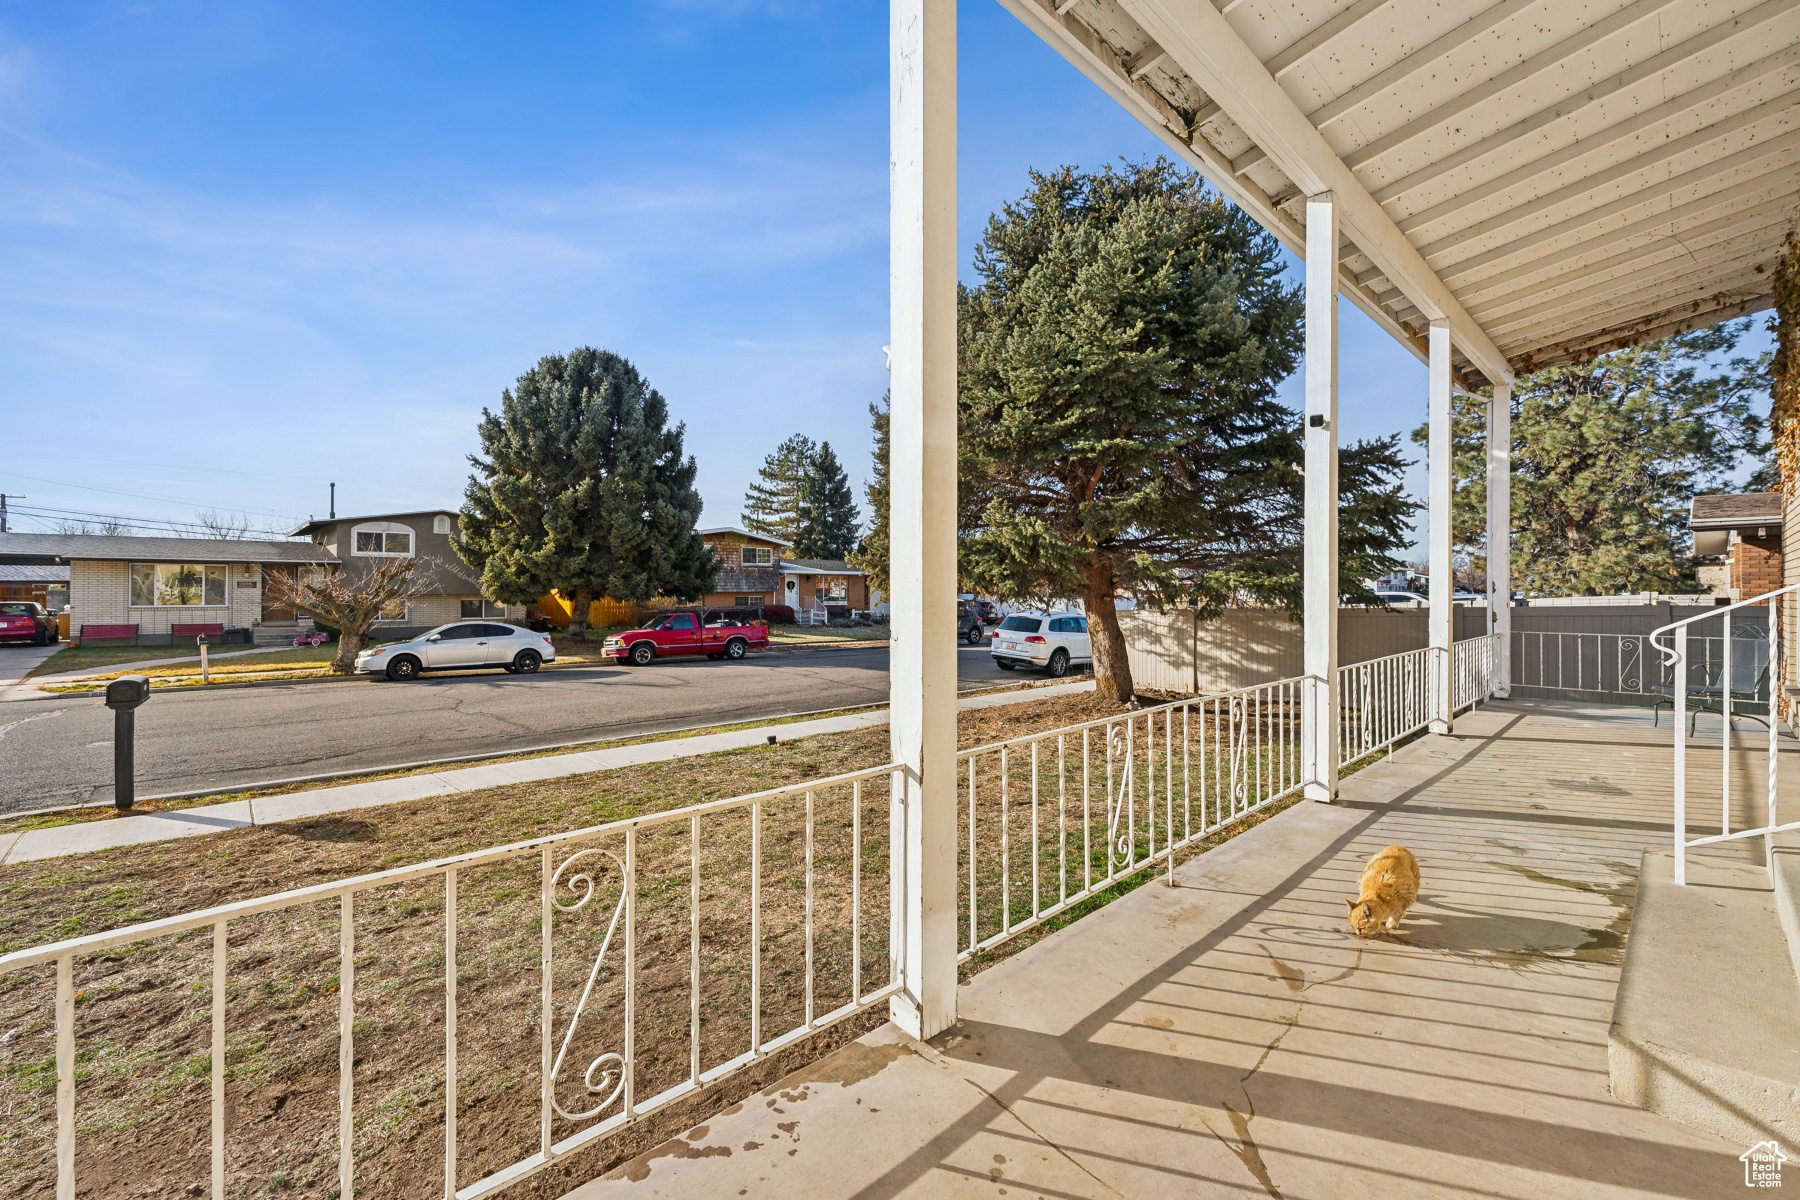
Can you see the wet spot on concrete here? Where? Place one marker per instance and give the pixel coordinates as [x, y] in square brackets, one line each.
[996, 1173]
[787, 1126]
[855, 1063]
[1160, 1022]
[1289, 974]
[1593, 785]
[1001, 1159]
[749, 1146]
[697, 1132]
[638, 1169]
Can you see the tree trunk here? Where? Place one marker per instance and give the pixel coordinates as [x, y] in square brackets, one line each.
[349, 646]
[1112, 669]
[579, 602]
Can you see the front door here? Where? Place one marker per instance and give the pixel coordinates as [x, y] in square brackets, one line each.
[274, 610]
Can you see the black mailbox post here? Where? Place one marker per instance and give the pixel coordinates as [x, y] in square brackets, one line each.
[123, 695]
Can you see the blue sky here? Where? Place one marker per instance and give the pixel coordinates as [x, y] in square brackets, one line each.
[248, 249]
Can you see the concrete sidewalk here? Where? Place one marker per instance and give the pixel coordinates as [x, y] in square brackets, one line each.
[87, 836]
[1230, 1037]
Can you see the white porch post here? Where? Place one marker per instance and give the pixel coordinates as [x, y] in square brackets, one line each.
[1319, 578]
[1499, 531]
[922, 661]
[1441, 491]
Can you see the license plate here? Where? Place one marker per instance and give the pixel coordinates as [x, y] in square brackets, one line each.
[1012, 645]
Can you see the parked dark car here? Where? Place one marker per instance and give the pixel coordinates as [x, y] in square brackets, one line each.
[986, 610]
[968, 625]
[25, 619]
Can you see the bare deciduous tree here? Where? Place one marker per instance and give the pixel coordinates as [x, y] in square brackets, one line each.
[225, 526]
[353, 601]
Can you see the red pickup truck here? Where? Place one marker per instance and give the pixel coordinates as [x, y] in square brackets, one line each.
[685, 631]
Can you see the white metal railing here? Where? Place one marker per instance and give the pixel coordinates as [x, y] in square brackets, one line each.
[1381, 701]
[1608, 667]
[1051, 819]
[580, 872]
[1754, 681]
[1474, 669]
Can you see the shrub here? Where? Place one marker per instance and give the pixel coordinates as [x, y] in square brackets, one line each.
[778, 614]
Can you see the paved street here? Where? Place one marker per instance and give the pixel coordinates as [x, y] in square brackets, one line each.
[58, 750]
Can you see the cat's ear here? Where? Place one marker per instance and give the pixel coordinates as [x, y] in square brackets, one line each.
[1352, 905]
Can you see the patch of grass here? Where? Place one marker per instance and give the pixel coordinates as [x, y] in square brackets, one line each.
[794, 635]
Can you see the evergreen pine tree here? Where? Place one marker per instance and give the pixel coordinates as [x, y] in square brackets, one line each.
[871, 557]
[583, 489]
[775, 504]
[1120, 429]
[828, 513]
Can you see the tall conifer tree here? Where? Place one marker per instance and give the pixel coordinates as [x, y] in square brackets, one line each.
[583, 489]
[775, 504]
[871, 556]
[828, 513]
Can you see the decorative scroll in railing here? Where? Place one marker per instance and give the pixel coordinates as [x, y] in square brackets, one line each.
[670, 951]
[1051, 819]
[1742, 680]
[1382, 701]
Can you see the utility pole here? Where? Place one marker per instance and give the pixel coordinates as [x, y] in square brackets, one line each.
[3, 526]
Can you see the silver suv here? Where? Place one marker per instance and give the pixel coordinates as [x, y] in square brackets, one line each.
[1054, 641]
[464, 646]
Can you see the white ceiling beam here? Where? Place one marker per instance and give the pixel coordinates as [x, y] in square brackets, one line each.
[1524, 173]
[1754, 156]
[1662, 325]
[1078, 43]
[1778, 108]
[1210, 51]
[1667, 283]
[1151, 63]
[1516, 76]
[1753, 226]
[1699, 230]
[1747, 23]
[1425, 58]
[1322, 35]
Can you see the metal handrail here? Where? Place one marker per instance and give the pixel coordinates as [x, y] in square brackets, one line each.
[1675, 656]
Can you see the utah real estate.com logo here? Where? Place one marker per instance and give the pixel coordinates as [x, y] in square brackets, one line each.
[1762, 1165]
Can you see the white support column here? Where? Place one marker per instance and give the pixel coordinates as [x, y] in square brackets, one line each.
[1499, 531]
[1319, 578]
[1441, 490]
[922, 663]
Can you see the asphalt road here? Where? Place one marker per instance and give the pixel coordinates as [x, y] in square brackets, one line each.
[58, 750]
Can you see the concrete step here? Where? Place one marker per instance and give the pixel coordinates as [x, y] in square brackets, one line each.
[1706, 1025]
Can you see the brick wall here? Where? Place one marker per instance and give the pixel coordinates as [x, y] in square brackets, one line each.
[1756, 567]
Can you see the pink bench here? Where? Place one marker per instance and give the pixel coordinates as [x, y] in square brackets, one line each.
[188, 631]
[108, 633]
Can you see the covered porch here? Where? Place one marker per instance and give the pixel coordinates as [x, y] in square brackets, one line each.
[1229, 1036]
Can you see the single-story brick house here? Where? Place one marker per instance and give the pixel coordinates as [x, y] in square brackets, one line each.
[1745, 529]
[454, 592]
[152, 584]
[828, 583]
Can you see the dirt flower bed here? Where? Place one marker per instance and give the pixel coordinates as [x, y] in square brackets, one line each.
[143, 1011]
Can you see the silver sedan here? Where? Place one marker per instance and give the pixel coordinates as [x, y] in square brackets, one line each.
[464, 646]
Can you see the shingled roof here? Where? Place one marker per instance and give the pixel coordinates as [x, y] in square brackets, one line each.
[1730, 512]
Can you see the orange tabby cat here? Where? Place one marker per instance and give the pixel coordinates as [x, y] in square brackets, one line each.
[1389, 885]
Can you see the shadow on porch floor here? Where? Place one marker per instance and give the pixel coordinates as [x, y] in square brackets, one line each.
[1230, 1037]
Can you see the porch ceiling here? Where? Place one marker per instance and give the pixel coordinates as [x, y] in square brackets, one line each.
[1553, 179]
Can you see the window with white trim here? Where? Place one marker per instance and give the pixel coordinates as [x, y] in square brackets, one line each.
[177, 585]
[381, 539]
[758, 556]
[440, 524]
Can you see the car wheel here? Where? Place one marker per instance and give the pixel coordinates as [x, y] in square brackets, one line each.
[736, 648]
[403, 668]
[1005, 664]
[973, 637]
[1058, 665]
[527, 662]
[643, 654]
[40, 638]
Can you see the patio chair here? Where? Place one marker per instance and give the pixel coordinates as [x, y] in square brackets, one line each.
[1709, 696]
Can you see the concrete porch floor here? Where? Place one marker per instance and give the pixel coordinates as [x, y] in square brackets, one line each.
[1231, 1037]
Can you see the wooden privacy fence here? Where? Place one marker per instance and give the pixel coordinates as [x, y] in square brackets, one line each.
[1172, 651]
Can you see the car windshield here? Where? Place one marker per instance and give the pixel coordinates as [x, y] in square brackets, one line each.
[1021, 625]
[18, 610]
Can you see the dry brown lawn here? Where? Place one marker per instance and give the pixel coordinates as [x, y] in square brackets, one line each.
[143, 1011]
